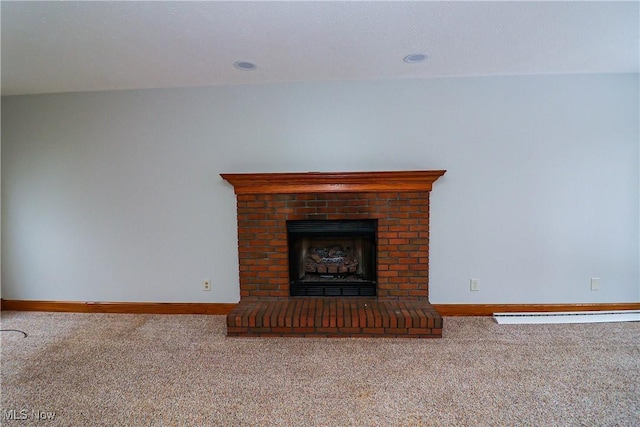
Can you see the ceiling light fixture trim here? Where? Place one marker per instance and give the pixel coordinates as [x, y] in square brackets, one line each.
[245, 65]
[414, 58]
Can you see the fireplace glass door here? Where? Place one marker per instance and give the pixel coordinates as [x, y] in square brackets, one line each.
[332, 258]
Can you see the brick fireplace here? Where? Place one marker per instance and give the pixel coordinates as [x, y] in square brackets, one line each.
[396, 202]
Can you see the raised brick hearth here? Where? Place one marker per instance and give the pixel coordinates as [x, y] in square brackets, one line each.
[335, 317]
[399, 201]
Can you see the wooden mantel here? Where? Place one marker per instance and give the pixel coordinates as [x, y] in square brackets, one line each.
[332, 182]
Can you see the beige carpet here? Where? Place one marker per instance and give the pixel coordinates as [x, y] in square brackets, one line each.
[181, 370]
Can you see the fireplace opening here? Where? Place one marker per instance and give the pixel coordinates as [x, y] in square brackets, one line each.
[332, 257]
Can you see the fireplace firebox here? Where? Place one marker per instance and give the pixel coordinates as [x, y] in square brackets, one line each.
[332, 257]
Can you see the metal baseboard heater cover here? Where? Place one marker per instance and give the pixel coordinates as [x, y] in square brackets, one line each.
[567, 317]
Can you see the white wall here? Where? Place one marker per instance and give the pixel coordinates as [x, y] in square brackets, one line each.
[116, 196]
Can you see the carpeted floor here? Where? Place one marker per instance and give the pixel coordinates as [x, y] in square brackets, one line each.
[181, 370]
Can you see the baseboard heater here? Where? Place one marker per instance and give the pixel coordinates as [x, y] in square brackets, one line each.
[567, 317]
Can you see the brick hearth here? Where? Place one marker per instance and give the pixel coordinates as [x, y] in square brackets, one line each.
[399, 201]
[335, 317]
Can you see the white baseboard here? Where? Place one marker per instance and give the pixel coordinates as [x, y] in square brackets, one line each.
[567, 317]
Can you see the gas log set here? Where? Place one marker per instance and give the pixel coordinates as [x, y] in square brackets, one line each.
[333, 260]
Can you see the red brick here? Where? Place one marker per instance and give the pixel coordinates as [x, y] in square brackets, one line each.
[327, 330]
[408, 234]
[395, 331]
[399, 241]
[316, 216]
[326, 210]
[388, 235]
[398, 293]
[279, 294]
[303, 330]
[306, 196]
[387, 273]
[246, 197]
[419, 293]
[373, 331]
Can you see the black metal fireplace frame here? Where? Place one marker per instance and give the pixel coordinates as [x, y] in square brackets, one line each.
[333, 229]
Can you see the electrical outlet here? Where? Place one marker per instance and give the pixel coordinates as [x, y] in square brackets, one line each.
[595, 283]
[474, 285]
[206, 285]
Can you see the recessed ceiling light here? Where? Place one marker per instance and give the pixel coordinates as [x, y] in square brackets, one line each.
[415, 58]
[245, 65]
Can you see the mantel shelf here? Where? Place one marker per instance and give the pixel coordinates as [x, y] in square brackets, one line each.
[332, 182]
